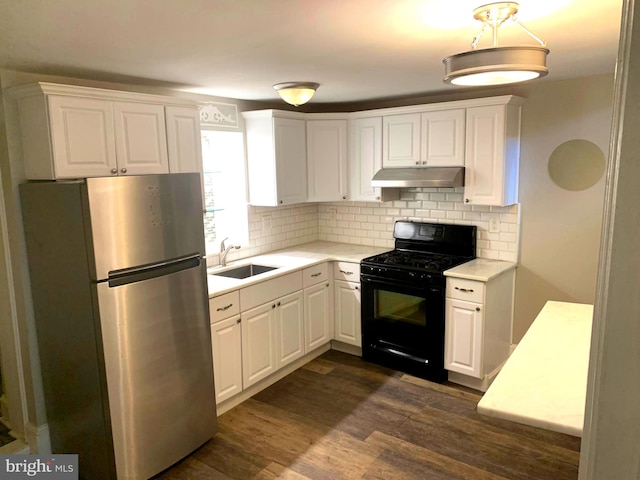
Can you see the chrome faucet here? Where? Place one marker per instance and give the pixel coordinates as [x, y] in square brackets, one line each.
[225, 250]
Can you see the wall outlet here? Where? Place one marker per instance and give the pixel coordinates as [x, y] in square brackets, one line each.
[266, 222]
[494, 225]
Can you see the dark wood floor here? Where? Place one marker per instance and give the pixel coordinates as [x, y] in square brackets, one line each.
[340, 417]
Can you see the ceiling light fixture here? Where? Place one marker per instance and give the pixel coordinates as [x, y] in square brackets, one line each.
[497, 65]
[296, 93]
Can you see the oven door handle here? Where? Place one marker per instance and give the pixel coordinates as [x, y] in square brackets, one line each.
[393, 351]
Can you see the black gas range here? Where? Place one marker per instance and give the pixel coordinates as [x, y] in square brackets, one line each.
[403, 296]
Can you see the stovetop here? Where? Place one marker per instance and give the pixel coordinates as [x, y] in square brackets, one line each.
[411, 260]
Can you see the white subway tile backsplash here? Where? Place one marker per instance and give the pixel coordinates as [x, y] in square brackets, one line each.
[371, 223]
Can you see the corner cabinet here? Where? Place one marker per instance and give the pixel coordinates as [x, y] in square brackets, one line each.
[478, 318]
[79, 132]
[276, 157]
[326, 160]
[492, 154]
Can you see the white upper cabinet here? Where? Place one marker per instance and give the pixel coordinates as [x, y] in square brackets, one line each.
[327, 160]
[141, 138]
[277, 158]
[79, 132]
[401, 140]
[431, 139]
[365, 158]
[492, 154]
[184, 140]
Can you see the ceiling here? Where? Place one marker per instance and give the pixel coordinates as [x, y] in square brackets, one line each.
[356, 49]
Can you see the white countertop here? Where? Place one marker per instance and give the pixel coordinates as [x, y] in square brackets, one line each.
[290, 259]
[482, 269]
[544, 382]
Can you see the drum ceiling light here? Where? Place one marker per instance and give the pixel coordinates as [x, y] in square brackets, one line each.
[497, 65]
[296, 93]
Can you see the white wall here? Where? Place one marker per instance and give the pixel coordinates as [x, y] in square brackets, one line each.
[560, 233]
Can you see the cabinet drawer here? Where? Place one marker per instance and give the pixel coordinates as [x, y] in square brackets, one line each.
[315, 274]
[463, 289]
[224, 306]
[346, 271]
[263, 292]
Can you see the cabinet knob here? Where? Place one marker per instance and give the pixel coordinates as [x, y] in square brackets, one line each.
[477, 309]
[466, 200]
[273, 306]
[344, 197]
[424, 163]
[327, 284]
[238, 320]
[280, 201]
[123, 170]
[356, 288]
[377, 198]
[114, 170]
[417, 163]
[278, 303]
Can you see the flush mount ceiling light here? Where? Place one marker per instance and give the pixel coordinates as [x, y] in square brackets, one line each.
[497, 65]
[296, 93]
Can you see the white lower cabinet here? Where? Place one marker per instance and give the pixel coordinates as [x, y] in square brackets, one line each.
[259, 358]
[226, 338]
[464, 328]
[347, 308]
[289, 329]
[478, 318]
[226, 344]
[272, 337]
[317, 315]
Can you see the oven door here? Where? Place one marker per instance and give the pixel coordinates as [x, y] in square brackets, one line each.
[403, 325]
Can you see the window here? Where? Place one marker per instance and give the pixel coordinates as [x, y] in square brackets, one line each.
[224, 189]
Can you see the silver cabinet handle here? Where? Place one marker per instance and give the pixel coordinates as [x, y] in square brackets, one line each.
[346, 273]
[222, 309]
[114, 170]
[316, 274]
[470, 290]
[123, 170]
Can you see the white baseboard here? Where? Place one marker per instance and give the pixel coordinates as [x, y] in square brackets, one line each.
[512, 347]
[38, 438]
[481, 384]
[249, 392]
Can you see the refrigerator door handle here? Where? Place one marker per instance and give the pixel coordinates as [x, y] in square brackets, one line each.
[146, 272]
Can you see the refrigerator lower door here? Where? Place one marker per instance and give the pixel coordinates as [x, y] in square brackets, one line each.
[157, 351]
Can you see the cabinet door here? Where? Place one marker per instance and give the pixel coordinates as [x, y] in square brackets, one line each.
[401, 140]
[326, 160]
[463, 337]
[259, 358]
[289, 328]
[184, 142]
[141, 138]
[490, 178]
[443, 138]
[226, 338]
[291, 160]
[347, 313]
[317, 315]
[82, 137]
[365, 158]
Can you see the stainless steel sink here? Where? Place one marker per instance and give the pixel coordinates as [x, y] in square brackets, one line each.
[245, 271]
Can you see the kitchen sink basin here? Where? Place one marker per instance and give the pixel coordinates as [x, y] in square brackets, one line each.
[245, 271]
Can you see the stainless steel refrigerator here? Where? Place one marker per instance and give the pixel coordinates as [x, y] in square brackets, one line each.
[120, 302]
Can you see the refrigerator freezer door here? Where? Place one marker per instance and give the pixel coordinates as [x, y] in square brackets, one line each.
[141, 220]
[158, 363]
